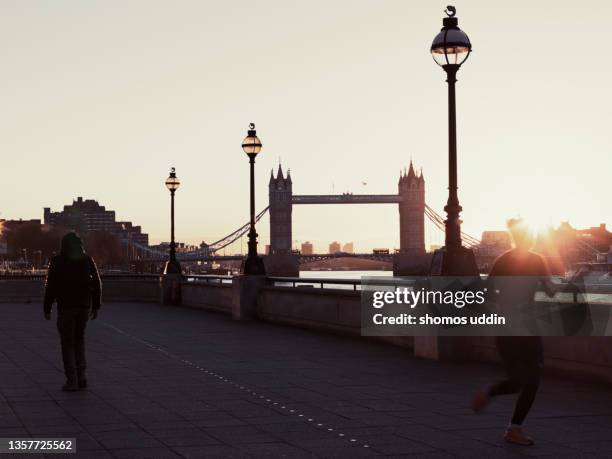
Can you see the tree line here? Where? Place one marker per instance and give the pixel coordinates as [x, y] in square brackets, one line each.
[37, 244]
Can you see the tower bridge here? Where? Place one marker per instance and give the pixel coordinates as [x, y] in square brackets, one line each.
[410, 199]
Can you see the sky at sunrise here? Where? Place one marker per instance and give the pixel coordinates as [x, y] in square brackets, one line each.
[101, 98]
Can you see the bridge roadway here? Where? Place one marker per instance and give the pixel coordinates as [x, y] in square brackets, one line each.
[347, 198]
[303, 258]
[175, 382]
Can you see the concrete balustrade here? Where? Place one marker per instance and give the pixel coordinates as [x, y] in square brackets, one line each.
[130, 290]
[322, 309]
[210, 296]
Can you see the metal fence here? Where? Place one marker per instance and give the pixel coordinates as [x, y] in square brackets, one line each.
[598, 293]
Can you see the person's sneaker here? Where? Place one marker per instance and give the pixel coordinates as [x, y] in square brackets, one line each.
[480, 400]
[518, 437]
[82, 384]
[70, 387]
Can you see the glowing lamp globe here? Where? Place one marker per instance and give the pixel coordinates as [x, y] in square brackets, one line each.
[172, 182]
[451, 46]
[251, 144]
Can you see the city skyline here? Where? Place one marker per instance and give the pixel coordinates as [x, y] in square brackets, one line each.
[115, 111]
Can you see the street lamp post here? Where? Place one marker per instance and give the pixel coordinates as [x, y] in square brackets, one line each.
[254, 264]
[450, 48]
[172, 265]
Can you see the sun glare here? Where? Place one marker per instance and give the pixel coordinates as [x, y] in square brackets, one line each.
[538, 225]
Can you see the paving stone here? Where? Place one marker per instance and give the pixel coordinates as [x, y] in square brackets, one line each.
[145, 453]
[274, 450]
[185, 437]
[215, 451]
[126, 439]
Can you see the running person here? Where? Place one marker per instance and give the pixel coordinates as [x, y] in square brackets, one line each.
[522, 356]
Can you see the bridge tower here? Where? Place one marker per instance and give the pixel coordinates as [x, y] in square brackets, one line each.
[280, 195]
[411, 188]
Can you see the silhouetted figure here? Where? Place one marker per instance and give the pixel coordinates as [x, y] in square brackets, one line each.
[522, 356]
[73, 281]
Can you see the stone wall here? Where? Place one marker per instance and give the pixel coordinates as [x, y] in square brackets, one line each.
[129, 289]
[210, 296]
[330, 310]
[323, 309]
[21, 290]
[584, 357]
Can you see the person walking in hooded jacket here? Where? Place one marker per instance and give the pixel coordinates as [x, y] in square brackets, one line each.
[74, 283]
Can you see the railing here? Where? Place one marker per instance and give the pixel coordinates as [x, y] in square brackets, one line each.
[352, 284]
[127, 276]
[596, 292]
[208, 278]
[20, 276]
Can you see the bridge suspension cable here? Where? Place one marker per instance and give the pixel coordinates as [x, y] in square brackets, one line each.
[438, 221]
[233, 237]
[431, 214]
[204, 251]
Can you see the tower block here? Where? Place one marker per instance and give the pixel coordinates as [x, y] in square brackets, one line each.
[280, 195]
[411, 189]
[281, 261]
[412, 260]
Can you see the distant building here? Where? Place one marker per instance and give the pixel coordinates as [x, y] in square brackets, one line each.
[580, 245]
[348, 248]
[334, 247]
[183, 247]
[494, 243]
[267, 249]
[434, 247]
[179, 247]
[307, 248]
[85, 216]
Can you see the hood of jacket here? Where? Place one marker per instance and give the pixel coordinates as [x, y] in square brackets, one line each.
[72, 246]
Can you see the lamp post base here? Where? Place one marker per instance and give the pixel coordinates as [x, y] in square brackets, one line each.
[172, 267]
[253, 265]
[454, 261]
[170, 288]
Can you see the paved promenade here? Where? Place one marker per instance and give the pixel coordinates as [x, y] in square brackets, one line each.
[173, 382]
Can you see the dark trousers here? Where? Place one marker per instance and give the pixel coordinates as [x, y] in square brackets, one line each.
[522, 357]
[71, 324]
